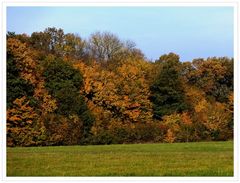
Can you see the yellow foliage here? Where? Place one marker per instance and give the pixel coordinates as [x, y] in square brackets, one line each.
[49, 104]
[194, 95]
[24, 59]
[169, 136]
[125, 90]
[217, 117]
[21, 114]
[201, 106]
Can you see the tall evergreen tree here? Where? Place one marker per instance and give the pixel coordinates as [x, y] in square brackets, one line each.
[167, 93]
[63, 83]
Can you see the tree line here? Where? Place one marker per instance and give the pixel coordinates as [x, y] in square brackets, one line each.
[64, 90]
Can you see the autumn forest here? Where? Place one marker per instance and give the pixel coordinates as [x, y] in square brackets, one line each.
[66, 90]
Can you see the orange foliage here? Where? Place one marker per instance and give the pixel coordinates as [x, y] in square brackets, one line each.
[123, 93]
[186, 119]
[24, 59]
[170, 137]
[20, 123]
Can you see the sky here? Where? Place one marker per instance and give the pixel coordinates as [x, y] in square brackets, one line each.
[190, 32]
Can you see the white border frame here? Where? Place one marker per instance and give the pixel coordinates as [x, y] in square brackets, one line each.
[124, 3]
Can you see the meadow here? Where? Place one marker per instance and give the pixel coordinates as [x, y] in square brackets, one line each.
[176, 159]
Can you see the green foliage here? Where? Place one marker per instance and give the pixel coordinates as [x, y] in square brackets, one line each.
[167, 90]
[64, 82]
[16, 86]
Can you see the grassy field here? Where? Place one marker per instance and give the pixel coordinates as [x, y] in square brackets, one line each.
[178, 159]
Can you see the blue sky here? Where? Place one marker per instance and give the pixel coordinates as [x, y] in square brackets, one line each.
[191, 32]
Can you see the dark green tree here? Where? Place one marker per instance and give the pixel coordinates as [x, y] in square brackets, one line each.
[167, 94]
[64, 82]
[16, 86]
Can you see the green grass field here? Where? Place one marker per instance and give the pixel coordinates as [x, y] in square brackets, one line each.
[178, 159]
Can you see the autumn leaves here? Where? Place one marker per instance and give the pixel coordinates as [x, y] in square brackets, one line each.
[61, 93]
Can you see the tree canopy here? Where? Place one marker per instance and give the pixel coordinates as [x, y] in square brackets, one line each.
[66, 90]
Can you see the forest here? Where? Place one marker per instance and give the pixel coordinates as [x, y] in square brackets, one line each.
[66, 90]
